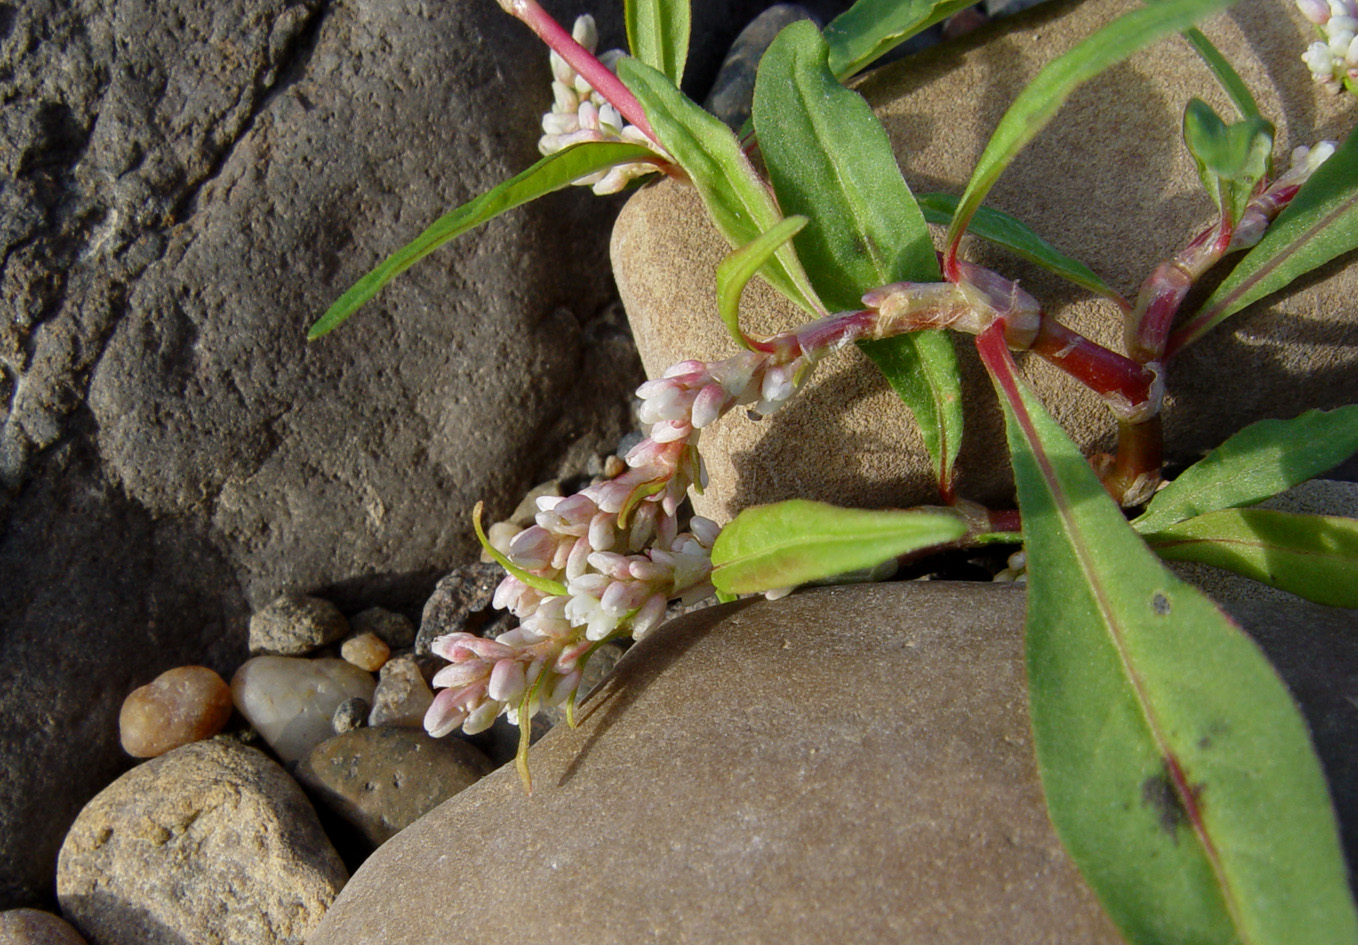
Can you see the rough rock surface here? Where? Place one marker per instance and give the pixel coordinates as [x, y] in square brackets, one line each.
[33, 927]
[296, 624]
[381, 780]
[878, 786]
[1108, 181]
[212, 842]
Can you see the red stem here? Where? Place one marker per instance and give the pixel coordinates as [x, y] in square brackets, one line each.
[1105, 372]
[584, 62]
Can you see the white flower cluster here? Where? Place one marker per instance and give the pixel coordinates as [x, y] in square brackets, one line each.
[1333, 58]
[614, 549]
[580, 114]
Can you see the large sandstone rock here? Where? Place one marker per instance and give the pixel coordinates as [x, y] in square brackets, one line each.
[1108, 181]
[848, 765]
[211, 842]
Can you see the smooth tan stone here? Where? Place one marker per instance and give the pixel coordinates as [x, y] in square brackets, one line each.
[848, 765]
[1108, 181]
[181, 705]
[367, 651]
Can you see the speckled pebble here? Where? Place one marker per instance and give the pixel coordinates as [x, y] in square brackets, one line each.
[295, 624]
[182, 705]
[292, 701]
[381, 780]
[395, 630]
[351, 714]
[366, 651]
[34, 927]
[402, 696]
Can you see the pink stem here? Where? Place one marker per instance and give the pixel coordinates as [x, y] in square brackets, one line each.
[584, 62]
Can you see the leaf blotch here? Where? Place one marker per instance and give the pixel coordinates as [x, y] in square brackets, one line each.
[1160, 604]
[1158, 792]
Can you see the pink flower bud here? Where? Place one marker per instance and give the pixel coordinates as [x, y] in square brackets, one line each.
[506, 681]
[1317, 11]
[481, 718]
[443, 716]
[460, 675]
[533, 548]
[603, 532]
[707, 406]
[649, 616]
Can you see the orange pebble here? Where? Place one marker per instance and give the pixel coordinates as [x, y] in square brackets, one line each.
[181, 705]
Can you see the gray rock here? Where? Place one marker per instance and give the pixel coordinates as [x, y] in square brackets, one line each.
[460, 602]
[351, 714]
[294, 625]
[402, 696]
[727, 784]
[33, 927]
[733, 90]
[1299, 349]
[211, 842]
[381, 780]
[292, 702]
[395, 630]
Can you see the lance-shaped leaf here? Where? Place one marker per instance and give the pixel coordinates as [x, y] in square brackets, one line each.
[1016, 236]
[791, 543]
[1319, 224]
[1255, 464]
[1230, 159]
[1312, 556]
[830, 160]
[1221, 67]
[551, 173]
[657, 34]
[736, 199]
[870, 29]
[1177, 770]
[736, 270]
[1039, 102]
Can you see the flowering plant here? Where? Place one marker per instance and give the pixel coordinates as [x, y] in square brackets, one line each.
[1120, 651]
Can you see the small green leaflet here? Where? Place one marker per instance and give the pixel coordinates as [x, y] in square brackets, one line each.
[546, 585]
[790, 543]
[1320, 224]
[1039, 102]
[1312, 556]
[1230, 159]
[1016, 236]
[1255, 464]
[830, 160]
[870, 29]
[736, 199]
[1221, 67]
[657, 34]
[551, 173]
[736, 270]
[1164, 738]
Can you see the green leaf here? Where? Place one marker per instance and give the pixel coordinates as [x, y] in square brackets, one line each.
[551, 173]
[1255, 464]
[1221, 67]
[1230, 159]
[829, 159]
[791, 543]
[1312, 556]
[657, 34]
[546, 585]
[736, 270]
[1177, 770]
[870, 29]
[1039, 102]
[737, 200]
[1320, 224]
[1016, 236]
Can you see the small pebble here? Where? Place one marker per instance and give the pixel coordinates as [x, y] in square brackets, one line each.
[395, 630]
[294, 625]
[457, 603]
[351, 714]
[527, 508]
[366, 651]
[614, 467]
[292, 702]
[402, 696]
[181, 705]
[34, 927]
[381, 780]
[499, 535]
